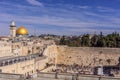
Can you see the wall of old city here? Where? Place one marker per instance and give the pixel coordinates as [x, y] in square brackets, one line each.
[51, 53]
[83, 55]
[25, 67]
[18, 49]
[5, 49]
[88, 56]
[40, 63]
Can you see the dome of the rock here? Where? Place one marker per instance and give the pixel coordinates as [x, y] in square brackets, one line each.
[22, 31]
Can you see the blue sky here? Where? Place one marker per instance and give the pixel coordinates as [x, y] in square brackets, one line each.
[61, 17]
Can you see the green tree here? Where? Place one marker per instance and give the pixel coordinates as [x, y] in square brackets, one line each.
[94, 40]
[85, 40]
[101, 43]
[63, 41]
[101, 40]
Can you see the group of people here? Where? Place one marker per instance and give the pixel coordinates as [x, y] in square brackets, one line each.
[75, 68]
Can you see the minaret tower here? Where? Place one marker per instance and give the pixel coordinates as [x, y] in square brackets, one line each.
[12, 29]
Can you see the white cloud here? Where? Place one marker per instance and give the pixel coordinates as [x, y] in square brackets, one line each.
[83, 7]
[35, 2]
[105, 9]
[69, 20]
[71, 25]
[58, 21]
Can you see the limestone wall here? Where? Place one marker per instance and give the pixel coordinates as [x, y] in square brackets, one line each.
[25, 67]
[88, 56]
[51, 53]
[82, 55]
[40, 63]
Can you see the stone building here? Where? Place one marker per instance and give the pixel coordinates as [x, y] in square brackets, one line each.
[20, 54]
[5, 49]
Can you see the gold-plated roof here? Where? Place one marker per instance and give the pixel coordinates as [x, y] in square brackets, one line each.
[21, 31]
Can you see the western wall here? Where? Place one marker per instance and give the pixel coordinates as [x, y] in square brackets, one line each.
[84, 56]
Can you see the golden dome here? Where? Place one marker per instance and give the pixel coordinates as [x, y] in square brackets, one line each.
[21, 31]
